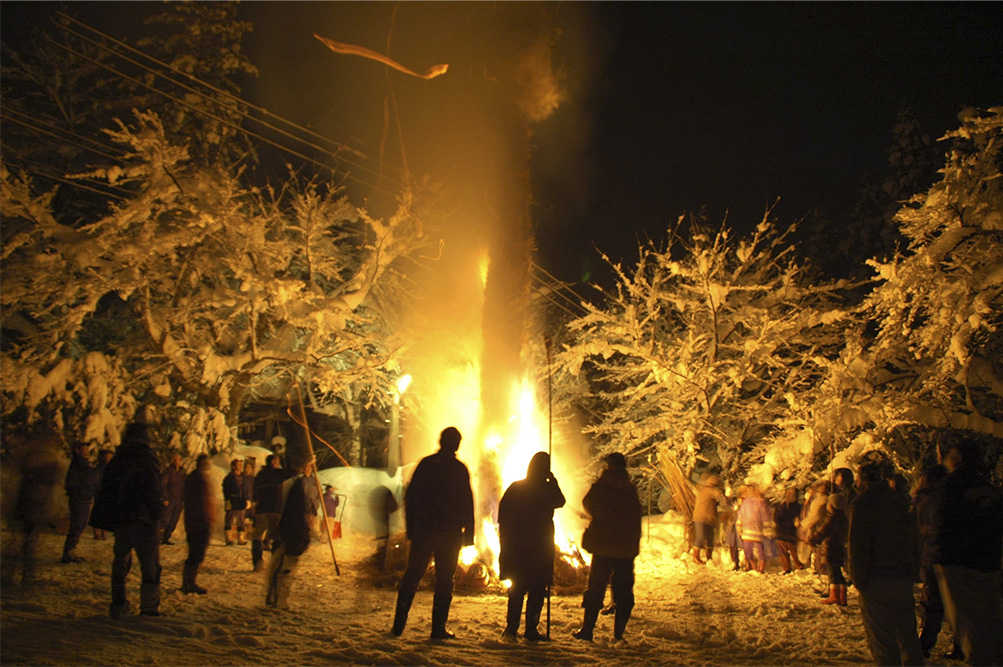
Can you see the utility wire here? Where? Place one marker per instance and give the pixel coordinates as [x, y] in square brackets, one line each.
[562, 287]
[77, 184]
[232, 96]
[230, 124]
[38, 124]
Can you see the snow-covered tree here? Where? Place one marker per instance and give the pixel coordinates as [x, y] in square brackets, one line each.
[700, 353]
[935, 357]
[228, 289]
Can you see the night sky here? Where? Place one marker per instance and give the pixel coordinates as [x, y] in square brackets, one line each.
[671, 106]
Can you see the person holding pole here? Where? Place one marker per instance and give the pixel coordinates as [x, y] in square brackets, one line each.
[526, 532]
[439, 518]
[613, 537]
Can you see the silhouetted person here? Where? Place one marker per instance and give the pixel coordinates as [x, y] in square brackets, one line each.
[708, 495]
[234, 503]
[173, 479]
[439, 516]
[884, 563]
[829, 535]
[81, 484]
[200, 512]
[39, 476]
[784, 515]
[526, 532]
[293, 537]
[968, 540]
[931, 601]
[267, 507]
[247, 484]
[129, 504]
[613, 537]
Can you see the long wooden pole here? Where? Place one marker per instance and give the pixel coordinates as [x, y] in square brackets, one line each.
[550, 454]
[316, 477]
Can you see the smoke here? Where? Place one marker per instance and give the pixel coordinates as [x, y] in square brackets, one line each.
[467, 140]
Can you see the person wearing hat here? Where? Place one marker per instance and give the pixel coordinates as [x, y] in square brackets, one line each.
[705, 515]
[439, 518]
[613, 537]
[884, 562]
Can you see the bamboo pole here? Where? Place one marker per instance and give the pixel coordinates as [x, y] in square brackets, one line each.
[316, 477]
[550, 454]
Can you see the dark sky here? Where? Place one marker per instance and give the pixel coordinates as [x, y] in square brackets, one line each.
[672, 106]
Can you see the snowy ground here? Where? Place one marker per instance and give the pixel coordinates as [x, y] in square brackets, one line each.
[685, 614]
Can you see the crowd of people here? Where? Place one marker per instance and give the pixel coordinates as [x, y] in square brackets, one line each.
[873, 534]
[127, 493]
[867, 531]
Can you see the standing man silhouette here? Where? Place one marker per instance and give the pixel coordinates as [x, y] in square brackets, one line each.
[439, 516]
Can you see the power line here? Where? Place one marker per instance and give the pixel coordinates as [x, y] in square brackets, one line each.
[228, 94]
[33, 125]
[40, 171]
[228, 123]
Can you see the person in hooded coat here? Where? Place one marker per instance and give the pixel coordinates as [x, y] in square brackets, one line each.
[613, 537]
[173, 479]
[830, 535]
[526, 533]
[705, 516]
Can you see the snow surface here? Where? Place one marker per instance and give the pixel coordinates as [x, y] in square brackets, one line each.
[685, 614]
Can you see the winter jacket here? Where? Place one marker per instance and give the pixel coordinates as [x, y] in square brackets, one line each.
[439, 499]
[526, 530]
[233, 492]
[784, 516]
[200, 510]
[131, 490]
[81, 480]
[883, 538]
[268, 489]
[967, 522]
[705, 505]
[830, 534]
[294, 531]
[755, 521]
[615, 528]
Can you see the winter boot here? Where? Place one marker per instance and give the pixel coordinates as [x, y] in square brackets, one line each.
[833, 595]
[620, 620]
[588, 624]
[696, 556]
[188, 584]
[257, 555]
[226, 537]
[842, 596]
[534, 607]
[440, 614]
[710, 555]
[404, 599]
[240, 537]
